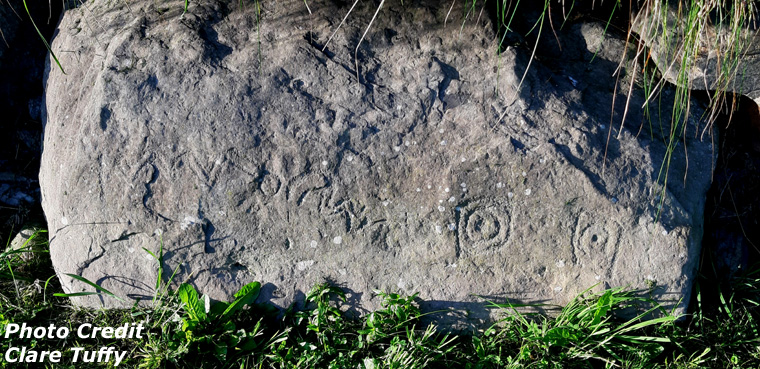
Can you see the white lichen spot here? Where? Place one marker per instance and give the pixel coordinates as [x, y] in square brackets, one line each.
[524, 173]
[158, 232]
[598, 277]
[440, 201]
[406, 143]
[527, 192]
[342, 271]
[452, 199]
[438, 229]
[443, 143]
[464, 190]
[64, 221]
[396, 148]
[542, 160]
[558, 289]
[188, 221]
[303, 265]
[500, 185]
[510, 195]
[441, 209]
[464, 159]
[452, 227]
[324, 163]
[446, 189]
[429, 187]
[131, 250]
[664, 233]
[350, 158]
[418, 189]
[560, 264]
[440, 130]
[398, 107]
[463, 185]
[313, 244]
[338, 240]
[386, 202]
[401, 284]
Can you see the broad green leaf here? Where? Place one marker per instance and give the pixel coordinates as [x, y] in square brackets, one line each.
[189, 297]
[247, 295]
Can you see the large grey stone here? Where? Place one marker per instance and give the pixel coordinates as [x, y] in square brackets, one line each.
[279, 166]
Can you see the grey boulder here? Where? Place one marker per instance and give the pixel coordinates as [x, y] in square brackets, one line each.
[252, 152]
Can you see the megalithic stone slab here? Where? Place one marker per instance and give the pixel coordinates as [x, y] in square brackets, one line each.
[252, 152]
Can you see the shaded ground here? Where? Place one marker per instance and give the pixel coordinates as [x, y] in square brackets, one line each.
[20, 98]
[732, 211]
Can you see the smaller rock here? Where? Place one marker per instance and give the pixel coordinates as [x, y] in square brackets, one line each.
[29, 239]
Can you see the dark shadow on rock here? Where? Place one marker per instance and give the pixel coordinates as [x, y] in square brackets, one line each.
[141, 286]
[214, 50]
[270, 292]
[595, 179]
[208, 232]
[352, 307]
[105, 116]
[169, 254]
[469, 317]
[449, 74]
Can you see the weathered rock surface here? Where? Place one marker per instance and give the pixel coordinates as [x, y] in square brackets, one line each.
[280, 166]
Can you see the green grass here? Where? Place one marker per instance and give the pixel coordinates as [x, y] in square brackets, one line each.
[185, 330]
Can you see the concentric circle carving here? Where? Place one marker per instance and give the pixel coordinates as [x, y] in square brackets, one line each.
[595, 242]
[483, 226]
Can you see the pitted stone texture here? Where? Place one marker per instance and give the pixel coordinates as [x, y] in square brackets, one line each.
[281, 167]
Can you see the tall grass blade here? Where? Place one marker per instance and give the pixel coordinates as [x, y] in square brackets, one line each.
[93, 285]
[43, 38]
